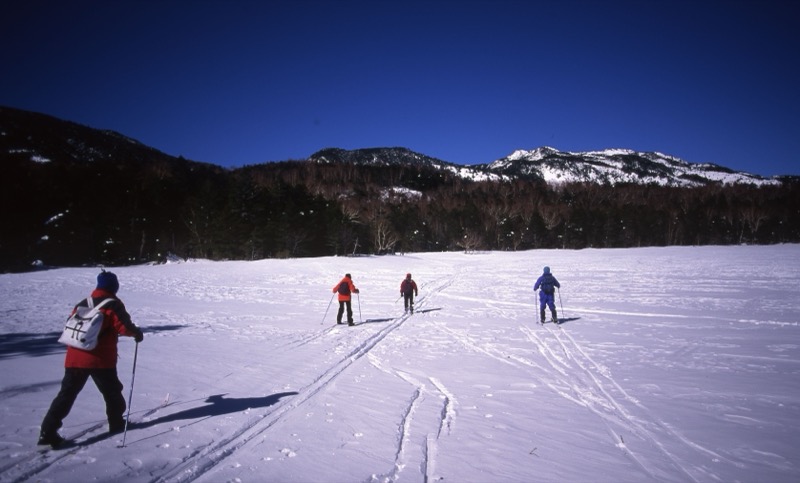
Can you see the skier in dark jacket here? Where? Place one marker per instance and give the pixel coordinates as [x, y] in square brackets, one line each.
[548, 283]
[99, 363]
[345, 287]
[408, 289]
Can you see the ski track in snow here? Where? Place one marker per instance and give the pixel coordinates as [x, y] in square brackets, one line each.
[417, 443]
[204, 459]
[26, 468]
[589, 381]
[584, 382]
[430, 412]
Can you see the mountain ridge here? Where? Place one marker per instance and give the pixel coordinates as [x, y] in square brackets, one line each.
[609, 166]
[72, 195]
[614, 166]
[45, 138]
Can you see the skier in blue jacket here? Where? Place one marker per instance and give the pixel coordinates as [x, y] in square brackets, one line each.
[548, 283]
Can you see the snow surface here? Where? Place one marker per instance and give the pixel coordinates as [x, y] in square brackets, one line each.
[674, 364]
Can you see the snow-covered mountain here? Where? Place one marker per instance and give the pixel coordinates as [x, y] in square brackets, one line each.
[27, 136]
[399, 156]
[609, 166]
[614, 166]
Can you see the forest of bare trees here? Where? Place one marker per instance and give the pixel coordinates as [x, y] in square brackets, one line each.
[134, 213]
[344, 209]
[97, 197]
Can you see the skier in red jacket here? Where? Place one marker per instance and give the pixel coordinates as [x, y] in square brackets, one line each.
[99, 363]
[345, 287]
[408, 289]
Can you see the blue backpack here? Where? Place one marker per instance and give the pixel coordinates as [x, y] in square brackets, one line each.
[344, 288]
[548, 286]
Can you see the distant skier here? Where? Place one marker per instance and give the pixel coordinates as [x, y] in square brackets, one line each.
[408, 289]
[345, 287]
[548, 284]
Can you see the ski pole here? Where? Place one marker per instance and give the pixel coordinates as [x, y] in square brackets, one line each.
[130, 395]
[326, 310]
[360, 320]
[563, 315]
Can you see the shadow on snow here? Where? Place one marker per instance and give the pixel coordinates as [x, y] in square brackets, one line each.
[388, 319]
[372, 321]
[564, 320]
[218, 405]
[30, 344]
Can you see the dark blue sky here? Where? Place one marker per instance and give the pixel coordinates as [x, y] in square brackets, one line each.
[245, 82]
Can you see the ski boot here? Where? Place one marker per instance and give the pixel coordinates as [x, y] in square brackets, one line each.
[54, 440]
[116, 427]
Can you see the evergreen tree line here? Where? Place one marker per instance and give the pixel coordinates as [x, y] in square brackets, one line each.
[133, 213]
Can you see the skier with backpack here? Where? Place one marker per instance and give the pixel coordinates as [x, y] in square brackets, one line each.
[99, 363]
[345, 288]
[548, 284]
[408, 289]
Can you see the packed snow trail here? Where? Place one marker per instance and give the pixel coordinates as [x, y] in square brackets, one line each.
[636, 387]
[26, 468]
[204, 459]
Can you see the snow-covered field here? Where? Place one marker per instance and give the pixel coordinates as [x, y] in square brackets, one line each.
[675, 364]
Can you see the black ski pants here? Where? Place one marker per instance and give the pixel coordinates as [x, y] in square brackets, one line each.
[106, 381]
[408, 301]
[342, 305]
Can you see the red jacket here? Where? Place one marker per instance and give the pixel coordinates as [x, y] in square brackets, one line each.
[349, 282]
[408, 286]
[116, 322]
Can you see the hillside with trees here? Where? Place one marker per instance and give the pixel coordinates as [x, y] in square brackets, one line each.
[72, 195]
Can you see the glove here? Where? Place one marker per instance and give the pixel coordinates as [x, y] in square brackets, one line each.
[356, 291]
[139, 336]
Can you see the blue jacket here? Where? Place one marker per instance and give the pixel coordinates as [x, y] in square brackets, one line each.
[548, 283]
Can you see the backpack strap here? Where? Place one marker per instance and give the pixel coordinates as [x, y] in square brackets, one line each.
[94, 308]
[101, 304]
